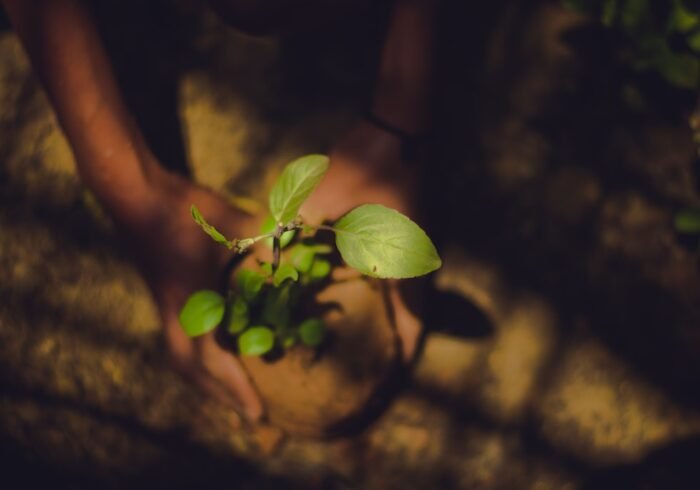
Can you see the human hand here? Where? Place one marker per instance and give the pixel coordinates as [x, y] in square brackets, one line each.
[366, 167]
[176, 259]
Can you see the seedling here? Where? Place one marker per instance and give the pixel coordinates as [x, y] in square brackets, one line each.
[687, 222]
[662, 36]
[263, 310]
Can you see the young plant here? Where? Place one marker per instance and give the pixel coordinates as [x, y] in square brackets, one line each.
[264, 309]
[687, 222]
[662, 36]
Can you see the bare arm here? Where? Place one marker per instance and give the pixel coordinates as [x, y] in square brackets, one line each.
[404, 84]
[68, 56]
[149, 204]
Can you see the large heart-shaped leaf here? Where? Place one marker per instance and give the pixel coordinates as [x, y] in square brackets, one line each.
[202, 312]
[382, 242]
[295, 185]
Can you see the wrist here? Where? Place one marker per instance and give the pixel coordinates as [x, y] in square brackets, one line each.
[404, 81]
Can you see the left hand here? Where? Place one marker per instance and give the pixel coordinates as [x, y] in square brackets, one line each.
[176, 259]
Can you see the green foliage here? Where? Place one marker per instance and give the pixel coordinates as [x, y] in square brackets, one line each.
[261, 310]
[652, 31]
[256, 341]
[312, 332]
[688, 221]
[295, 185]
[319, 270]
[250, 283]
[209, 229]
[382, 242]
[284, 272]
[239, 316]
[202, 312]
[269, 226]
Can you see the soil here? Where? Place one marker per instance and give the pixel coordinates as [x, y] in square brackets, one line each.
[334, 389]
[566, 357]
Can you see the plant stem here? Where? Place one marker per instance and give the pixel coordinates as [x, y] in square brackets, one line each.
[275, 252]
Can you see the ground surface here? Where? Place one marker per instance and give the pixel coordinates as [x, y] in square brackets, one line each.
[575, 367]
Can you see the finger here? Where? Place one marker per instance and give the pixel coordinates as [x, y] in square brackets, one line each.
[230, 374]
[408, 325]
[185, 361]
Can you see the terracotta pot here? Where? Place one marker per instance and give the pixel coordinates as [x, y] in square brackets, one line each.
[341, 386]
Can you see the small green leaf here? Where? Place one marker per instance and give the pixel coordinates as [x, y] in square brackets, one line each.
[694, 41]
[239, 316]
[682, 19]
[285, 271]
[295, 185]
[202, 312]
[688, 221]
[681, 70]
[322, 249]
[312, 332]
[302, 257]
[269, 226]
[381, 242]
[256, 341]
[320, 269]
[289, 341]
[266, 268]
[276, 309]
[209, 229]
[249, 283]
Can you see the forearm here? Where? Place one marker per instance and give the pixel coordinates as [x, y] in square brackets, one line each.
[404, 84]
[68, 56]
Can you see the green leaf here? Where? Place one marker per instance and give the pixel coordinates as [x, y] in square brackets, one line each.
[688, 221]
[249, 283]
[682, 19]
[382, 242]
[322, 249]
[320, 269]
[239, 316]
[302, 257]
[266, 268]
[295, 185]
[202, 312]
[285, 271]
[694, 41]
[268, 226]
[681, 70]
[209, 229]
[278, 303]
[256, 341]
[312, 332]
[289, 341]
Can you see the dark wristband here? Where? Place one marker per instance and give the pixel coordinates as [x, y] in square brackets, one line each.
[409, 142]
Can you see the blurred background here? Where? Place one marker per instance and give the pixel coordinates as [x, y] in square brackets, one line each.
[565, 352]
